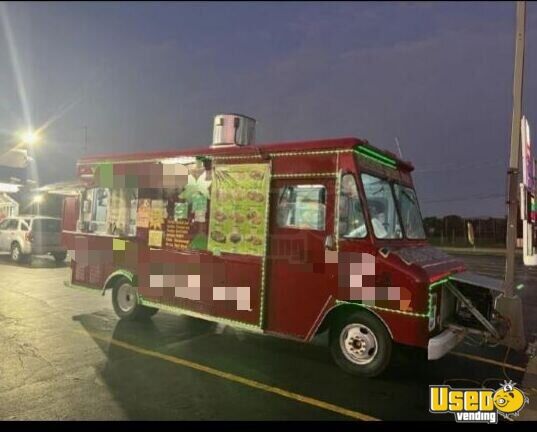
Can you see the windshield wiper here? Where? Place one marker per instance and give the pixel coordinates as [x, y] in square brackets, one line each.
[410, 198]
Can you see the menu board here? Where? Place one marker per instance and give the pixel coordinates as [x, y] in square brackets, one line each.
[155, 238]
[180, 211]
[199, 207]
[177, 234]
[238, 209]
[118, 216]
[144, 212]
[156, 216]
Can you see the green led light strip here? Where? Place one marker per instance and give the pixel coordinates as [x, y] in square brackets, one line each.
[377, 161]
[262, 294]
[304, 175]
[440, 282]
[376, 154]
[371, 154]
[430, 299]
[413, 314]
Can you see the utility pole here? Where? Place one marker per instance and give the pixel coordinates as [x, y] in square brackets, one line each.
[509, 304]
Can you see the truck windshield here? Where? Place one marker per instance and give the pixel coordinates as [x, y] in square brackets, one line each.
[410, 212]
[383, 201]
[382, 209]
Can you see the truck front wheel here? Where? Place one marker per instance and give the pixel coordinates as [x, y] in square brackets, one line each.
[126, 304]
[360, 344]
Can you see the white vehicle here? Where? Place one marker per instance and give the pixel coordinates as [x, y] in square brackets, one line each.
[23, 236]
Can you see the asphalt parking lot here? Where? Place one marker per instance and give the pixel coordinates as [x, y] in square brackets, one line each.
[65, 355]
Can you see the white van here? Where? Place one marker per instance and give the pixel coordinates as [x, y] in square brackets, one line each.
[23, 236]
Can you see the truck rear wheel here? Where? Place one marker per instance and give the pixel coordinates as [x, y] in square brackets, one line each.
[360, 344]
[126, 303]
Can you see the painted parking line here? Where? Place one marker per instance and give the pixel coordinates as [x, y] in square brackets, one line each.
[238, 379]
[487, 360]
[455, 353]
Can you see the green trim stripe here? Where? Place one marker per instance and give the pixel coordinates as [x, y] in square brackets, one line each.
[376, 160]
[376, 155]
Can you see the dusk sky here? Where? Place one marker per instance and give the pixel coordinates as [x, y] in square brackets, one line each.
[151, 76]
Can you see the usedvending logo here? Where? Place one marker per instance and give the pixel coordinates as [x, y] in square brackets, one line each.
[477, 405]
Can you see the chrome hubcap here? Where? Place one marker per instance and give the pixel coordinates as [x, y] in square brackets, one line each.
[126, 297]
[15, 253]
[358, 343]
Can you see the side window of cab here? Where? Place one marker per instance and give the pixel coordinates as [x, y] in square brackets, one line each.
[351, 216]
[302, 207]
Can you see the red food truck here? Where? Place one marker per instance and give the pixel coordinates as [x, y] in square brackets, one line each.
[288, 239]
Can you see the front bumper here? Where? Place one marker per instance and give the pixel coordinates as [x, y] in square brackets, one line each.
[444, 342]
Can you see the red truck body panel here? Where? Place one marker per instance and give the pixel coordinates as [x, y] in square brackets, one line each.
[301, 281]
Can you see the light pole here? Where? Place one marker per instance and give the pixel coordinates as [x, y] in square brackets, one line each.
[509, 304]
[37, 200]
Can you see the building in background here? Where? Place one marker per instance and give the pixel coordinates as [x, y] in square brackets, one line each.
[8, 206]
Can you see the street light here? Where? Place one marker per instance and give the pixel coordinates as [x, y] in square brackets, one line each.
[37, 200]
[30, 137]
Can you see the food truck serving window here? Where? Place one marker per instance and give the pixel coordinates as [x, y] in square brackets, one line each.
[111, 211]
[382, 209]
[302, 207]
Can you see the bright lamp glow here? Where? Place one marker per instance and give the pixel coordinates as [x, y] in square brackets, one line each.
[30, 137]
[38, 199]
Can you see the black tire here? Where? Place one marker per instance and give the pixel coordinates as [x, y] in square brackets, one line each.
[368, 352]
[16, 253]
[148, 312]
[59, 256]
[126, 304]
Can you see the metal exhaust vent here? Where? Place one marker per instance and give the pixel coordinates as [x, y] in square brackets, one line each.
[233, 130]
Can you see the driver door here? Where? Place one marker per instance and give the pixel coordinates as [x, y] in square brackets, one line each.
[300, 281]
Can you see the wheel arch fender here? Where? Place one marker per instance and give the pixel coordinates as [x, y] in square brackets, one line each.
[115, 276]
[344, 308]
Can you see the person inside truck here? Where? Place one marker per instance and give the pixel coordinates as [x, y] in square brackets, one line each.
[351, 216]
[378, 219]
